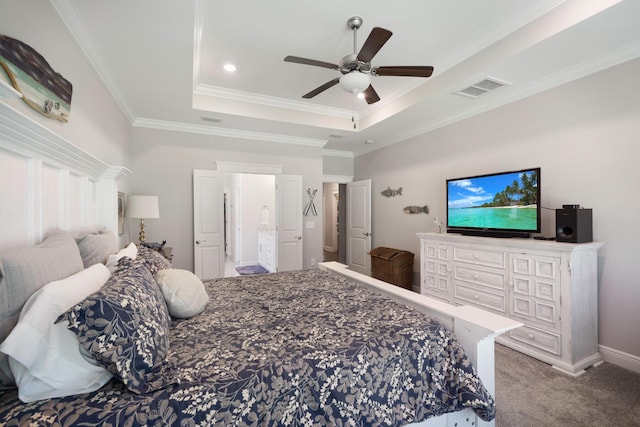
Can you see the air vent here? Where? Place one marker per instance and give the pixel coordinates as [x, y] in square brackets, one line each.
[211, 119]
[484, 86]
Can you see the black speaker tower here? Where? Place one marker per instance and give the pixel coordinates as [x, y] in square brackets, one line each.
[574, 225]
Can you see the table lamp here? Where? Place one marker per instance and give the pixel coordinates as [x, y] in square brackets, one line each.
[143, 207]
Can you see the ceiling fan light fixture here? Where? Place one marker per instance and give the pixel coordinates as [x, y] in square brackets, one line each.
[355, 81]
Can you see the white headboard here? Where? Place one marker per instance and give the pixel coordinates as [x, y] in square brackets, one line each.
[46, 182]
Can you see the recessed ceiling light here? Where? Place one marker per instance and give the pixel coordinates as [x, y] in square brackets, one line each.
[230, 67]
[361, 95]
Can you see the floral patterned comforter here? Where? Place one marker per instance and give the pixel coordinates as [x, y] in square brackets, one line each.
[293, 348]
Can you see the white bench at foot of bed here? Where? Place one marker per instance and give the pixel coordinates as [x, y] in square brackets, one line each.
[475, 329]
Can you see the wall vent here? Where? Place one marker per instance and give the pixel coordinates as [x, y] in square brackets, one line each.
[211, 119]
[484, 86]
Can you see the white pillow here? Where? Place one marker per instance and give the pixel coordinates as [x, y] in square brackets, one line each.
[183, 291]
[46, 358]
[130, 251]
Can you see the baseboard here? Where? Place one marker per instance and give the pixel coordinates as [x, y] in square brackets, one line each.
[619, 358]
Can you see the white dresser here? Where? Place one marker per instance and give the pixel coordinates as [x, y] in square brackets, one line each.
[550, 287]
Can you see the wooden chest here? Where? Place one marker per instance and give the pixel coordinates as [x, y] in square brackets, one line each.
[392, 266]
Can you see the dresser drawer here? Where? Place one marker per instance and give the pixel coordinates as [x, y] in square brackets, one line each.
[467, 294]
[490, 278]
[538, 338]
[480, 257]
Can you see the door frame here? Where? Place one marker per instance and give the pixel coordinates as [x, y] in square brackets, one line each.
[341, 180]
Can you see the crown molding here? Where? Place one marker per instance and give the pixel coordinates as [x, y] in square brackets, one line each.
[237, 167]
[337, 153]
[229, 133]
[272, 101]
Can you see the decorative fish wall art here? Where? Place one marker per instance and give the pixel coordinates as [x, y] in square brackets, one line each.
[41, 87]
[416, 209]
[391, 193]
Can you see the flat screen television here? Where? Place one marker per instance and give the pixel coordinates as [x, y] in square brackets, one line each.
[504, 204]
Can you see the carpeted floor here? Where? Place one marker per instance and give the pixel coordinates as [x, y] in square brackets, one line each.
[530, 393]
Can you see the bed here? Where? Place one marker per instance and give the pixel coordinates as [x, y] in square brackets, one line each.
[315, 347]
[191, 354]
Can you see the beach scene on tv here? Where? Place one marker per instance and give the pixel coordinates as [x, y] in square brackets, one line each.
[501, 201]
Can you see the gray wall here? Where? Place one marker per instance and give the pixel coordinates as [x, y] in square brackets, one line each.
[585, 137]
[96, 124]
[163, 162]
[337, 166]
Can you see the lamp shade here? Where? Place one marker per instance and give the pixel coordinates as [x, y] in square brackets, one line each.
[143, 207]
[355, 81]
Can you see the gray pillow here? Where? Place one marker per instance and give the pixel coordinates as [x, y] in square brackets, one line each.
[96, 248]
[25, 270]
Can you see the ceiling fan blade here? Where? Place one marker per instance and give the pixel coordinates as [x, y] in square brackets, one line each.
[377, 38]
[406, 71]
[370, 95]
[322, 88]
[305, 61]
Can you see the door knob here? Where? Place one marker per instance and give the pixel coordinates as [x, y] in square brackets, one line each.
[198, 241]
[367, 234]
[299, 237]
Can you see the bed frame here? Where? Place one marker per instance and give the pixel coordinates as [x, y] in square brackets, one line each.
[475, 329]
[48, 182]
[51, 183]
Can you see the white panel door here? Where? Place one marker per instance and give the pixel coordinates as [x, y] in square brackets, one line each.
[208, 224]
[359, 226]
[289, 222]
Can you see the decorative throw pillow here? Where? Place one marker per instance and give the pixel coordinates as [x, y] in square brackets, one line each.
[45, 357]
[96, 248]
[153, 260]
[125, 326]
[130, 251]
[183, 292]
[25, 270]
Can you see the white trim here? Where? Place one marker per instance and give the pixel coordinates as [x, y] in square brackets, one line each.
[620, 358]
[338, 153]
[24, 136]
[273, 101]
[340, 179]
[48, 156]
[235, 167]
[229, 133]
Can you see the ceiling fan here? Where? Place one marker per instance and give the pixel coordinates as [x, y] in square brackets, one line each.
[356, 68]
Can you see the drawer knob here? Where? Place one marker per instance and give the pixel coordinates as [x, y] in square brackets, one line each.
[476, 256]
[476, 296]
[530, 336]
[475, 276]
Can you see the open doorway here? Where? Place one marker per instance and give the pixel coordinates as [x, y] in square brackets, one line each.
[250, 204]
[334, 222]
